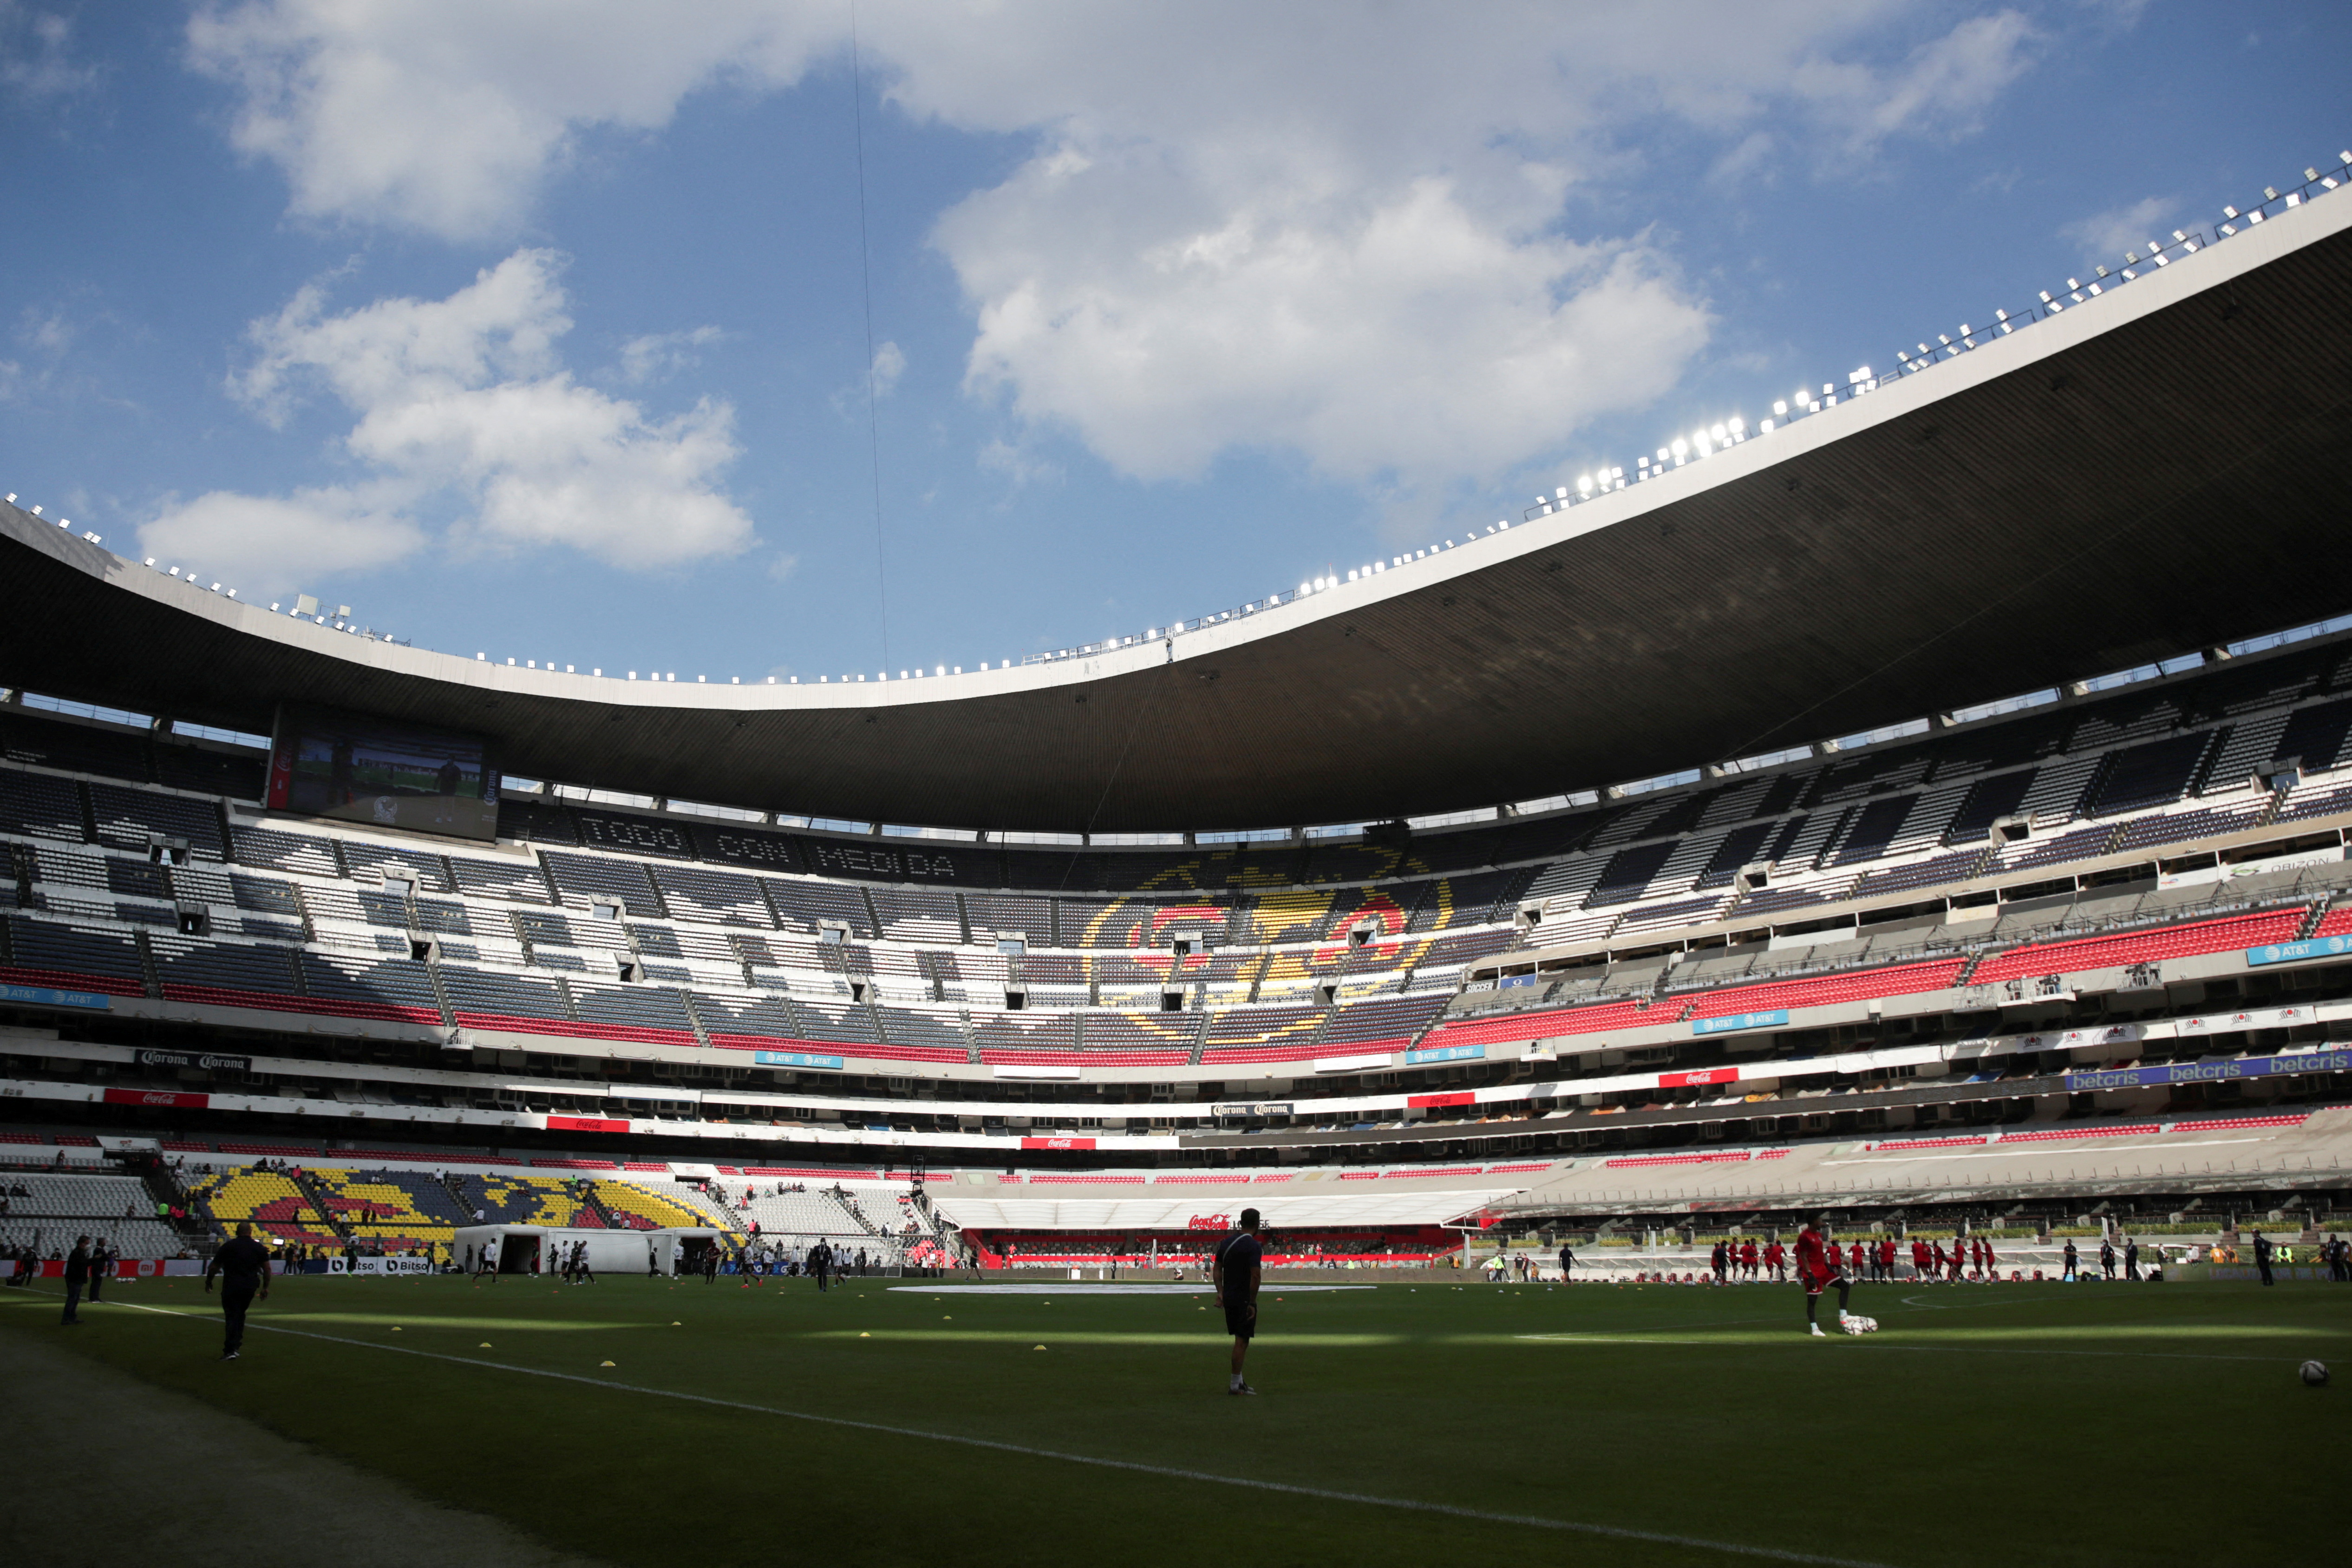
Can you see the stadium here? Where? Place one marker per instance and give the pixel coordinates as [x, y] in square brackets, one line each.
[1925, 809]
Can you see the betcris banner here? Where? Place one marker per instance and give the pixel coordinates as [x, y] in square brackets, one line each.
[2296, 951]
[2212, 1072]
[1730, 1021]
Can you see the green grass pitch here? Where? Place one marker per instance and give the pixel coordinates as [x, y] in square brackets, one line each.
[2032, 1424]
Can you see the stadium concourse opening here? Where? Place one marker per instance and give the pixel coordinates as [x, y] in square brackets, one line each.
[1986, 949]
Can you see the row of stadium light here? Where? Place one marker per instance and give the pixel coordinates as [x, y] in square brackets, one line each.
[2160, 254]
[1679, 452]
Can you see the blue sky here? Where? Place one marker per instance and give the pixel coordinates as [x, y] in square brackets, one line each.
[541, 329]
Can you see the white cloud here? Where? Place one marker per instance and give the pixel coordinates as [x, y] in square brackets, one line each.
[272, 545]
[1353, 237]
[660, 355]
[464, 403]
[889, 364]
[36, 55]
[2104, 236]
[1017, 466]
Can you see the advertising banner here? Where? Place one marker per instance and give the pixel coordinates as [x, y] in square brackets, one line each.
[193, 1060]
[157, 1097]
[49, 996]
[587, 1124]
[1058, 1142]
[2297, 951]
[2212, 1072]
[1730, 1021]
[1444, 1054]
[796, 1059]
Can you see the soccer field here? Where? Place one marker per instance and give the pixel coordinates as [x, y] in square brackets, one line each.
[2036, 1424]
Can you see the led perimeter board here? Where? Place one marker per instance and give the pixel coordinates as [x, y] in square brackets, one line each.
[354, 768]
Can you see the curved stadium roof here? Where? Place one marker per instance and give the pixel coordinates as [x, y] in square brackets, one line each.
[2163, 467]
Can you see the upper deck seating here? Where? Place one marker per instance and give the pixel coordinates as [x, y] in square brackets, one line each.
[721, 897]
[38, 805]
[310, 855]
[226, 974]
[67, 956]
[585, 880]
[394, 989]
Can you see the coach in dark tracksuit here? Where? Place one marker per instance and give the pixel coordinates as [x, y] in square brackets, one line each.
[76, 1280]
[244, 1267]
[2263, 1256]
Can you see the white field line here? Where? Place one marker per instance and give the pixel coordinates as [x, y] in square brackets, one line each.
[1171, 1472]
[1883, 1345]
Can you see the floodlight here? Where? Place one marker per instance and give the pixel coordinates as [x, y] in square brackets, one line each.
[1739, 426]
[12, 497]
[1680, 446]
[1721, 433]
[1779, 406]
[2311, 174]
[2269, 195]
[1584, 484]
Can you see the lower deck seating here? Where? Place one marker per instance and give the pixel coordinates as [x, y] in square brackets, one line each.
[391, 1209]
[2139, 946]
[271, 1203]
[522, 1200]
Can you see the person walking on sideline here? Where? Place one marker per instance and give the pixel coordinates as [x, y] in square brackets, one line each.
[1567, 1262]
[244, 1267]
[76, 1278]
[2263, 1249]
[1235, 1275]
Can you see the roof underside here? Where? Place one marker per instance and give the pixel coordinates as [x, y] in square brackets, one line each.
[2102, 496]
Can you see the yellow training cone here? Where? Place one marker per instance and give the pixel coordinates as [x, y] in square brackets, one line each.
[1041, 1347]
[866, 1336]
[604, 1363]
[395, 1328]
[485, 1344]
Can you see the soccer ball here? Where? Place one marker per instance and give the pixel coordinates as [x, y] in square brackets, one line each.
[2314, 1374]
[1855, 1323]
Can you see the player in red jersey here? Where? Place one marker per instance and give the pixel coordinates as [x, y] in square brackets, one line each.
[1959, 1258]
[1918, 1259]
[1774, 1256]
[1940, 1262]
[1854, 1261]
[1748, 1258]
[1991, 1264]
[1817, 1267]
[1886, 1258]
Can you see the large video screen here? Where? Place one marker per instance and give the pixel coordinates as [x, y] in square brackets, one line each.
[383, 772]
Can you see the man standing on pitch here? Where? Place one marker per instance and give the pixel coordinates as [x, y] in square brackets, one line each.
[2261, 1256]
[1817, 1266]
[76, 1280]
[244, 1267]
[1236, 1278]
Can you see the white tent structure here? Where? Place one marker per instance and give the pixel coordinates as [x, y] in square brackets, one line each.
[540, 1249]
